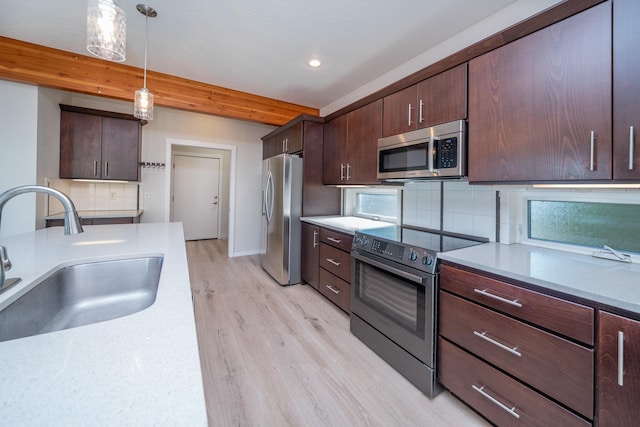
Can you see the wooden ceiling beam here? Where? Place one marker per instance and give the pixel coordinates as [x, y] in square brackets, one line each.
[30, 63]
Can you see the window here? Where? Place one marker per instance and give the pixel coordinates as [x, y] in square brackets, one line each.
[587, 224]
[377, 203]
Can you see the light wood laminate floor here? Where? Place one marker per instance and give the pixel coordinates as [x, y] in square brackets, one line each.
[284, 356]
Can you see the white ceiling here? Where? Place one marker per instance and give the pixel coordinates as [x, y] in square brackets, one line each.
[262, 47]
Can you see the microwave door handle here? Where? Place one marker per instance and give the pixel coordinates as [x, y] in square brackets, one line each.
[430, 153]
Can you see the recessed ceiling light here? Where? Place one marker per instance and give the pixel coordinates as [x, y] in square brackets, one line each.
[314, 62]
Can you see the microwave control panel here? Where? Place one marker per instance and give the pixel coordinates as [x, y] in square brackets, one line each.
[446, 153]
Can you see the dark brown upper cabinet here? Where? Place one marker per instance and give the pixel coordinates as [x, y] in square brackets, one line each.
[99, 145]
[438, 99]
[540, 107]
[626, 90]
[350, 146]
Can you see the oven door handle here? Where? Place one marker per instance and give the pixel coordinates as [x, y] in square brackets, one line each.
[405, 275]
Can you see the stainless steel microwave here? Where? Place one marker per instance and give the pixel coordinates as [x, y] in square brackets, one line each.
[435, 152]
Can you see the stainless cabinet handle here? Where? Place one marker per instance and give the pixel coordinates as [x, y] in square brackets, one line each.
[484, 336]
[409, 115]
[334, 290]
[620, 358]
[420, 118]
[631, 138]
[95, 168]
[348, 171]
[592, 150]
[496, 297]
[284, 147]
[337, 264]
[106, 168]
[341, 171]
[511, 410]
[331, 239]
[315, 241]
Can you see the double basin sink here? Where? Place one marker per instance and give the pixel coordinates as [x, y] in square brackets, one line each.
[83, 294]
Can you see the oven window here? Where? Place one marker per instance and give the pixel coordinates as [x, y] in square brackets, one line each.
[398, 300]
[412, 157]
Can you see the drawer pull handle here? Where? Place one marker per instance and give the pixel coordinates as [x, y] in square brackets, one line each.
[484, 336]
[337, 264]
[620, 358]
[496, 297]
[331, 239]
[334, 290]
[511, 410]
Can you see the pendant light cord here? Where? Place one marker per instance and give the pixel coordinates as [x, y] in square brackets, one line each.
[146, 38]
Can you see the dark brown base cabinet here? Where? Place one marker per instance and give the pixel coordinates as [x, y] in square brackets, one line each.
[335, 267]
[94, 221]
[618, 371]
[310, 259]
[516, 356]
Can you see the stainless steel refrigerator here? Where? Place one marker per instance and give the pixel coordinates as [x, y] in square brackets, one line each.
[281, 209]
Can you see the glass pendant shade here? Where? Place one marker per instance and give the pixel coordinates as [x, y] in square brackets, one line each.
[106, 30]
[143, 104]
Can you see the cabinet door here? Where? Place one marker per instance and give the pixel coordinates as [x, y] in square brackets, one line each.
[618, 362]
[400, 112]
[626, 90]
[268, 148]
[334, 159]
[364, 130]
[310, 268]
[80, 142]
[534, 104]
[292, 139]
[120, 149]
[443, 98]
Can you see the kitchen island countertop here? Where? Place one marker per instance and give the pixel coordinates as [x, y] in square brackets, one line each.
[141, 369]
[601, 281]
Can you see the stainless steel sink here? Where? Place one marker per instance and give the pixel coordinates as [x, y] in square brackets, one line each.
[83, 294]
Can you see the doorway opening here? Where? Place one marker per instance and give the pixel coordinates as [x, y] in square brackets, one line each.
[203, 154]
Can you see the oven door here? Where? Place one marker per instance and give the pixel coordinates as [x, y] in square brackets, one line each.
[397, 301]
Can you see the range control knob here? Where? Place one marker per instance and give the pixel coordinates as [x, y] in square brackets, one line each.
[357, 240]
[365, 241]
[413, 256]
[427, 260]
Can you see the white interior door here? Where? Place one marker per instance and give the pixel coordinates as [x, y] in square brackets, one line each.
[196, 196]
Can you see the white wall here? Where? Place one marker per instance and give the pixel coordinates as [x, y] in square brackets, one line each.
[18, 154]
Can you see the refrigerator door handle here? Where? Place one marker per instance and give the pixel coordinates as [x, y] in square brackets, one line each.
[268, 197]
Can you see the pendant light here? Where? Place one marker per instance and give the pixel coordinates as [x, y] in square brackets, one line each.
[106, 30]
[143, 101]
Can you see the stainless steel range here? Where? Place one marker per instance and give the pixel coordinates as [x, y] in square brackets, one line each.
[394, 296]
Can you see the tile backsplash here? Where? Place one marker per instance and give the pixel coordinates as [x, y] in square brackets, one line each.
[465, 209]
[94, 196]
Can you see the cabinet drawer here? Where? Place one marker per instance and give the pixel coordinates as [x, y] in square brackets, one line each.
[555, 366]
[563, 317]
[336, 261]
[501, 399]
[336, 289]
[336, 239]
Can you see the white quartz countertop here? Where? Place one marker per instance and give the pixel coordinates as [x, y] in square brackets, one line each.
[601, 281]
[142, 369]
[345, 224]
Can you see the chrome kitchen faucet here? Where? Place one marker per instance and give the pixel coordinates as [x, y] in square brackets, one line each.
[72, 223]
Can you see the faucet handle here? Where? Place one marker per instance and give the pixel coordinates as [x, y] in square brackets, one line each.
[5, 262]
